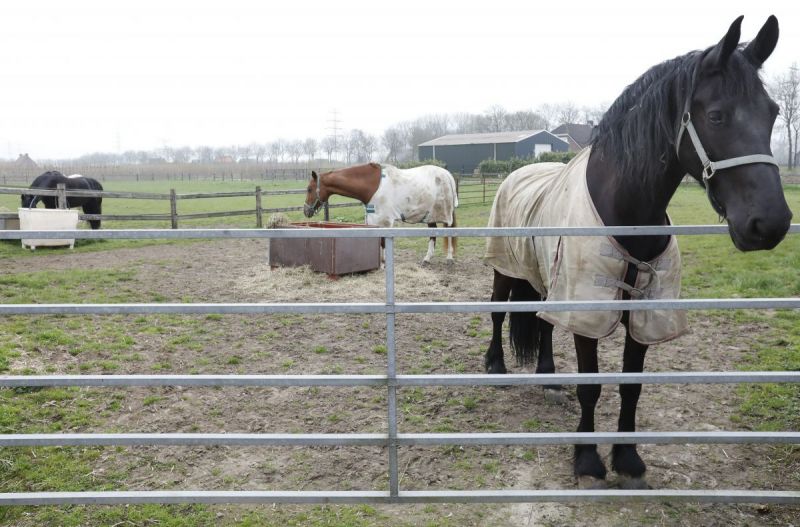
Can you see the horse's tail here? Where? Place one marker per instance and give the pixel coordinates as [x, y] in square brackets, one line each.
[451, 239]
[524, 327]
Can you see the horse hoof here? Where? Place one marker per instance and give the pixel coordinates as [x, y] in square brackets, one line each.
[631, 483]
[555, 396]
[425, 262]
[591, 483]
[451, 262]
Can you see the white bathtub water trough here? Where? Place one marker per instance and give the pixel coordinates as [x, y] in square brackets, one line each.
[47, 220]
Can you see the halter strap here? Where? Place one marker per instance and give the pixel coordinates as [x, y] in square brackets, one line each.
[314, 207]
[710, 168]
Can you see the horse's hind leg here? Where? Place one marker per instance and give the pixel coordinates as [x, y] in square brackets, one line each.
[431, 246]
[625, 459]
[94, 207]
[450, 242]
[501, 290]
[589, 468]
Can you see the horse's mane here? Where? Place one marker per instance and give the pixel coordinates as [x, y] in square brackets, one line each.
[639, 130]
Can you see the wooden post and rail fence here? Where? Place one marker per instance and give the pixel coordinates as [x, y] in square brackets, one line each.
[471, 190]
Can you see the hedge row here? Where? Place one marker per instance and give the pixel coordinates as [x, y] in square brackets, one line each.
[490, 166]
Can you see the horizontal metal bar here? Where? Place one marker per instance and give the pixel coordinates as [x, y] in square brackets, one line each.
[591, 438]
[412, 496]
[176, 439]
[400, 307]
[482, 439]
[597, 305]
[357, 232]
[11, 381]
[514, 379]
[195, 309]
[511, 379]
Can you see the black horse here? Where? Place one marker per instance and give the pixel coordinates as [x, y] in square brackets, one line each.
[52, 178]
[671, 121]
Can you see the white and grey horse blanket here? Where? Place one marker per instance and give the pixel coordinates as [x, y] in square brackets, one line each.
[573, 268]
[425, 194]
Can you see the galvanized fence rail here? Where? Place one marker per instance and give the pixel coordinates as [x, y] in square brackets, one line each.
[393, 439]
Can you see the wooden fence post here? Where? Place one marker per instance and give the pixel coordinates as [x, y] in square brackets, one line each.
[62, 195]
[173, 208]
[483, 180]
[327, 212]
[259, 210]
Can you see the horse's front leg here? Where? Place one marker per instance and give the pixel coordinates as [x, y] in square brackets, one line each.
[431, 246]
[625, 459]
[501, 290]
[589, 468]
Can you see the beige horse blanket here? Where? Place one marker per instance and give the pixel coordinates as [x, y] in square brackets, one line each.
[573, 268]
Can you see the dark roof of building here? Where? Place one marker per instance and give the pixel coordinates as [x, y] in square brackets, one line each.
[580, 133]
[24, 160]
[478, 139]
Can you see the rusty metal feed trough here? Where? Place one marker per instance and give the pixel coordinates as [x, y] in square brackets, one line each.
[333, 256]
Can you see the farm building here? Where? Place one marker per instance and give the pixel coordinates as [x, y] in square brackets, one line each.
[463, 152]
[577, 135]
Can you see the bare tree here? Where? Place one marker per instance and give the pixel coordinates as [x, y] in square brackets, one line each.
[568, 112]
[310, 148]
[205, 154]
[393, 141]
[259, 150]
[276, 150]
[329, 146]
[295, 149]
[786, 92]
[496, 116]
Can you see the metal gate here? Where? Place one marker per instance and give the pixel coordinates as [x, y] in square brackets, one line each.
[393, 439]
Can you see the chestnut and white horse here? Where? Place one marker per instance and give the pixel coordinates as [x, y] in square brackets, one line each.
[425, 194]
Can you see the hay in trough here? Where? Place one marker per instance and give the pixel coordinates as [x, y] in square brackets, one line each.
[277, 221]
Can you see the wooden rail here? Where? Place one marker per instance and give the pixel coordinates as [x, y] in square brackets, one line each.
[173, 197]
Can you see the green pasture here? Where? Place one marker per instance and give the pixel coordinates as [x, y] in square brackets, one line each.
[712, 268]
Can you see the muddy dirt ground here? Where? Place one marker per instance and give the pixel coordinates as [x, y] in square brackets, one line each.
[236, 271]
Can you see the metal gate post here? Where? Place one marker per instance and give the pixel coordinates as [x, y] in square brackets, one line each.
[391, 368]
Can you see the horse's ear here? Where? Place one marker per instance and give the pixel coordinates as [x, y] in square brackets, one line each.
[719, 54]
[759, 50]
[313, 175]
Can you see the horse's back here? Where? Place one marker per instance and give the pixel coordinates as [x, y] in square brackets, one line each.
[425, 194]
[517, 203]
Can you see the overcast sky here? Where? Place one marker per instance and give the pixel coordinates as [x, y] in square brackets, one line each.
[84, 76]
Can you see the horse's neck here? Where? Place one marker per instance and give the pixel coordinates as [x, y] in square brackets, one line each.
[619, 203]
[358, 183]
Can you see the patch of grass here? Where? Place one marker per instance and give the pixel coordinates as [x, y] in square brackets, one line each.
[380, 349]
[320, 350]
[234, 360]
[151, 400]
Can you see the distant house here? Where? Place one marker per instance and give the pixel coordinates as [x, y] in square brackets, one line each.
[225, 159]
[579, 136]
[463, 152]
[24, 161]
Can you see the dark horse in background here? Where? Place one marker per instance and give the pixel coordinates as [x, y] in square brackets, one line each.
[707, 114]
[52, 178]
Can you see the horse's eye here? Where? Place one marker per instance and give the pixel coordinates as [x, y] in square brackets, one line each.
[715, 117]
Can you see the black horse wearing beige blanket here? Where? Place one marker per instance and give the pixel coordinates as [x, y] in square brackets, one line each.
[705, 113]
